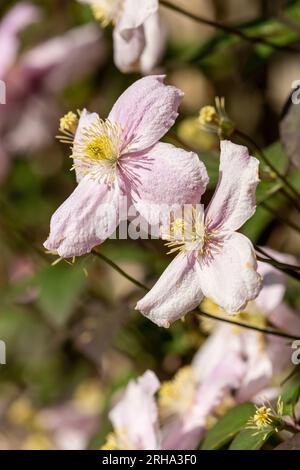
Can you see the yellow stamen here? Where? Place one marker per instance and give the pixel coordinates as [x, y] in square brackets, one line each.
[69, 122]
[207, 115]
[98, 150]
[176, 396]
[107, 11]
[262, 417]
[117, 440]
[215, 120]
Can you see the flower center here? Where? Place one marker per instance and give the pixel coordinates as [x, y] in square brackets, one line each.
[98, 150]
[117, 440]
[177, 395]
[187, 233]
[107, 11]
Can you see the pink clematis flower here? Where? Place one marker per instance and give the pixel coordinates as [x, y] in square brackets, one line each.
[264, 357]
[13, 23]
[214, 260]
[121, 157]
[188, 400]
[139, 38]
[34, 77]
[135, 417]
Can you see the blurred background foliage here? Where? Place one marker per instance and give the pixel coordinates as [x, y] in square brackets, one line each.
[73, 338]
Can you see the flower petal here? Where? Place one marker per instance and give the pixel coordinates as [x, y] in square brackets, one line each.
[234, 200]
[13, 23]
[163, 177]
[86, 120]
[259, 368]
[127, 51]
[135, 13]
[221, 341]
[286, 319]
[85, 219]
[274, 281]
[230, 278]
[136, 413]
[55, 61]
[176, 292]
[155, 42]
[146, 111]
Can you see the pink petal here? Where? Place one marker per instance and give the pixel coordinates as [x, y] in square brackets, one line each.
[135, 13]
[136, 413]
[222, 341]
[146, 111]
[229, 278]
[127, 52]
[259, 366]
[162, 177]
[234, 200]
[84, 220]
[14, 22]
[155, 42]
[55, 61]
[286, 319]
[86, 120]
[176, 292]
[186, 431]
[274, 281]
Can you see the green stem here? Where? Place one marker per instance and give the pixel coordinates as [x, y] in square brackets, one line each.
[226, 28]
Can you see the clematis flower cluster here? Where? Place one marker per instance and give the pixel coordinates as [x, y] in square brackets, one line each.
[234, 365]
[139, 37]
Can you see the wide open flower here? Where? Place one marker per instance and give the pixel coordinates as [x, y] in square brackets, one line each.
[135, 417]
[139, 39]
[214, 260]
[265, 356]
[121, 157]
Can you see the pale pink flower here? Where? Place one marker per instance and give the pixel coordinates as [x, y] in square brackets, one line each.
[196, 400]
[13, 23]
[264, 356]
[33, 78]
[135, 417]
[214, 260]
[121, 157]
[139, 38]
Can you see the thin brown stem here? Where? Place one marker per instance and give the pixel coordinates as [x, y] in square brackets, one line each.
[279, 217]
[227, 28]
[119, 270]
[267, 331]
[265, 159]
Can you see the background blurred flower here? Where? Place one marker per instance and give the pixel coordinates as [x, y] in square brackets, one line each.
[139, 37]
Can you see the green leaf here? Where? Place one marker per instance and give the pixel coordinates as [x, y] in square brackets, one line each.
[228, 426]
[59, 288]
[249, 439]
[290, 394]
